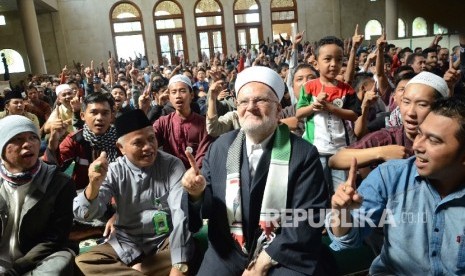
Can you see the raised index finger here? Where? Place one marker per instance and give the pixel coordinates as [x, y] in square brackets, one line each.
[356, 29]
[451, 62]
[352, 177]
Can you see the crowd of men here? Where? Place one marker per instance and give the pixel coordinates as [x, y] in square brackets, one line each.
[343, 131]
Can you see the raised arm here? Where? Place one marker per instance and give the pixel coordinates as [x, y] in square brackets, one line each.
[357, 40]
[343, 158]
[383, 83]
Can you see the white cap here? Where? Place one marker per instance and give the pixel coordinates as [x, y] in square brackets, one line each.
[180, 78]
[432, 80]
[61, 88]
[263, 75]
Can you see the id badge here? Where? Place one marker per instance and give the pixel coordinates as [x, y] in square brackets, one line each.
[160, 222]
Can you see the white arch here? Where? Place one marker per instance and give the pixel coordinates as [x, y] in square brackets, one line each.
[14, 60]
[401, 29]
[373, 27]
[419, 27]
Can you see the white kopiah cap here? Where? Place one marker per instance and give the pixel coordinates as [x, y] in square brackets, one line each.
[432, 80]
[61, 88]
[180, 78]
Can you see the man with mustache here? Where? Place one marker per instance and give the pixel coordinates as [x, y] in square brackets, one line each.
[146, 186]
[86, 144]
[418, 202]
[247, 175]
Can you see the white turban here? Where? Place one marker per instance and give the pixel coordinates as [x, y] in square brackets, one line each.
[263, 75]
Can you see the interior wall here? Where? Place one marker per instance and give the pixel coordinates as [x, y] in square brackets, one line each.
[80, 30]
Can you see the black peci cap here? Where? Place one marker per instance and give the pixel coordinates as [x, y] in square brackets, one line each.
[131, 121]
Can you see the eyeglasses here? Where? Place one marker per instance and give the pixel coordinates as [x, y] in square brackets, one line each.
[255, 101]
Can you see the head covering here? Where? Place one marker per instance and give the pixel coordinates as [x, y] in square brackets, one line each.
[180, 78]
[432, 80]
[263, 75]
[13, 125]
[61, 88]
[131, 121]
[13, 95]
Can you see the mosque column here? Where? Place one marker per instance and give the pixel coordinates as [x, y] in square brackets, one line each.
[31, 34]
[391, 25]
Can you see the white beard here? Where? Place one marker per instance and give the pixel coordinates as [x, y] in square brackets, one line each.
[259, 129]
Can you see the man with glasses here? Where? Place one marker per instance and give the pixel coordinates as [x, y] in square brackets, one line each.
[250, 179]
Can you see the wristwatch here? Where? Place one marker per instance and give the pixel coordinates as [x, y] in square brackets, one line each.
[181, 267]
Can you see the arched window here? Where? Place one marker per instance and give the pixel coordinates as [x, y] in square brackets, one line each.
[373, 27]
[127, 30]
[438, 29]
[283, 18]
[210, 28]
[419, 27]
[247, 21]
[401, 31]
[169, 32]
[14, 61]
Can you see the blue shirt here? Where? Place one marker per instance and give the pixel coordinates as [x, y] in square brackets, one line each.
[204, 84]
[423, 234]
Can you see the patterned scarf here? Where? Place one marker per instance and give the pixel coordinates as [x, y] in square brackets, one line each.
[105, 142]
[275, 194]
[18, 179]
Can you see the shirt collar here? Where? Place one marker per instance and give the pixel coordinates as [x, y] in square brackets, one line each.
[180, 119]
[251, 146]
[135, 168]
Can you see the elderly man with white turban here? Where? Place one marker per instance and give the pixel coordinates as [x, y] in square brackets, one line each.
[252, 184]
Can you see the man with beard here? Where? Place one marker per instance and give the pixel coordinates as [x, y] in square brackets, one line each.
[250, 176]
[63, 112]
[431, 61]
[85, 145]
[182, 128]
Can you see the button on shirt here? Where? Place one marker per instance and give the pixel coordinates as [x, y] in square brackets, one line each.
[140, 193]
[424, 234]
